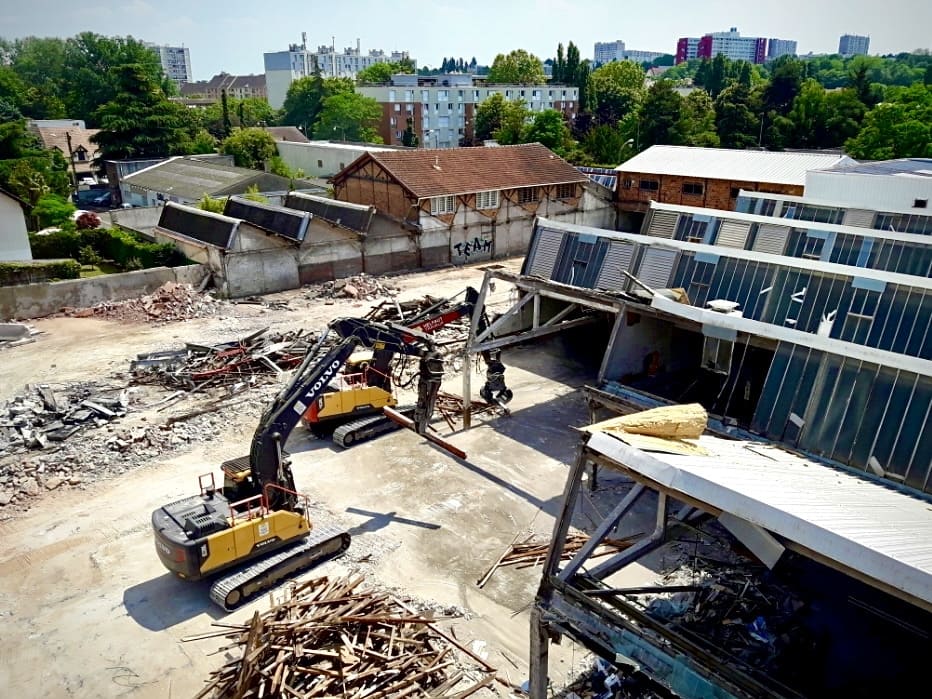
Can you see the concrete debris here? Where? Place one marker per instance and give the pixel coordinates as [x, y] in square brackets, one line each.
[41, 415]
[363, 287]
[170, 302]
[334, 638]
[223, 364]
[16, 334]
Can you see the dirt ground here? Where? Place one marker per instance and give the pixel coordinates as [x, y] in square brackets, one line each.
[88, 610]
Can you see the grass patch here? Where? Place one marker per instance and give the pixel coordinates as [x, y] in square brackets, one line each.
[88, 271]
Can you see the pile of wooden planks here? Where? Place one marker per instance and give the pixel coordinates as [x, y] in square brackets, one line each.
[532, 551]
[329, 638]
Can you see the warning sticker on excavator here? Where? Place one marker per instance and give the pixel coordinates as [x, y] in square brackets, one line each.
[264, 529]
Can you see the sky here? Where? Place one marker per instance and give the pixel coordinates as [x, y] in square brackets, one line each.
[232, 35]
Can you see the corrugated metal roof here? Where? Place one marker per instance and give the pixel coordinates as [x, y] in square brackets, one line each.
[735, 165]
[861, 231]
[882, 532]
[921, 167]
[191, 179]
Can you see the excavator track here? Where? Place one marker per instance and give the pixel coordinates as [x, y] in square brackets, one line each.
[235, 589]
[367, 427]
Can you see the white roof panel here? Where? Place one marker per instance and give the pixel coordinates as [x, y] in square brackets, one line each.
[726, 164]
[883, 533]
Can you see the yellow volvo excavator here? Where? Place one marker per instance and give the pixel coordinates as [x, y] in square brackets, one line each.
[352, 405]
[255, 530]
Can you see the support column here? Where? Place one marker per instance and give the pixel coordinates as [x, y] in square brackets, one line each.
[540, 656]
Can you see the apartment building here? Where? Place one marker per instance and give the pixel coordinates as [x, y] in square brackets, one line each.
[176, 62]
[853, 45]
[442, 107]
[780, 47]
[731, 45]
[284, 67]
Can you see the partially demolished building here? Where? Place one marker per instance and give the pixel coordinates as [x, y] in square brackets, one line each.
[809, 344]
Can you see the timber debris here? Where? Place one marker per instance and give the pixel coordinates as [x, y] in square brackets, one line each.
[201, 366]
[332, 638]
[532, 551]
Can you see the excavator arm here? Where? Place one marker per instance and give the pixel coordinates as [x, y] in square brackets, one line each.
[280, 417]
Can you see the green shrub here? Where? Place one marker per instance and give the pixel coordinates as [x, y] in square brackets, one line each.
[88, 256]
[110, 244]
[52, 210]
[14, 273]
[56, 245]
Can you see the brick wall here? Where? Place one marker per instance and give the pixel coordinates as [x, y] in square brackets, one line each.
[712, 194]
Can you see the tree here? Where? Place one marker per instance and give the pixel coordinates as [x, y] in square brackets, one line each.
[559, 66]
[608, 145]
[305, 100]
[615, 89]
[660, 115]
[250, 111]
[549, 128]
[696, 126]
[351, 116]
[515, 117]
[139, 122]
[89, 64]
[517, 68]
[383, 72]
[252, 194]
[489, 115]
[227, 127]
[786, 77]
[203, 142]
[249, 147]
[408, 137]
[718, 75]
[734, 119]
[898, 127]
[52, 210]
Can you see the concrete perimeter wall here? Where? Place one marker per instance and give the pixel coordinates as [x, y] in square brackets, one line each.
[37, 300]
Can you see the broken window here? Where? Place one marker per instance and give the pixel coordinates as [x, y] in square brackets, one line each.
[716, 354]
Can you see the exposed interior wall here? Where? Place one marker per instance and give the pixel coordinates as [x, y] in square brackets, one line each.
[638, 336]
[317, 159]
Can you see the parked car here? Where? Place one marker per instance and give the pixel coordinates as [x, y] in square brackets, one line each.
[104, 199]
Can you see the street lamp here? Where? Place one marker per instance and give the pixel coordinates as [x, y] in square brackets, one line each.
[342, 129]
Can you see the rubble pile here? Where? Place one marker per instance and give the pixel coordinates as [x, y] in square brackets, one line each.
[41, 415]
[223, 364]
[170, 302]
[331, 638]
[606, 681]
[364, 287]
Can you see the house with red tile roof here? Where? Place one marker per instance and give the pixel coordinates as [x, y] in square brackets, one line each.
[471, 204]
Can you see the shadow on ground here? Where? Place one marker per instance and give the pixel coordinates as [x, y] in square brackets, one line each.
[166, 601]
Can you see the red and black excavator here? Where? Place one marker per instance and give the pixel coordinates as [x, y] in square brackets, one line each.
[255, 531]
[352, 408]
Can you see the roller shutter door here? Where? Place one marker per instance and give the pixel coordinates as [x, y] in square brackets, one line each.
[859, 217]
[545, 253]
[617, 261]
[656, 267]
[663, 224]
[733, 234]
[771, 239]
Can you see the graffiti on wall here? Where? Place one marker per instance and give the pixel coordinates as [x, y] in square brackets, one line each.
[472, 248]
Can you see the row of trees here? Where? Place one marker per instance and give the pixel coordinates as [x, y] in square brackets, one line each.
[738, 105]
[47, 78]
